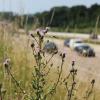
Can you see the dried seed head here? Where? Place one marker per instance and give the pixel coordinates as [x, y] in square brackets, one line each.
[63, 55]
[55, 52]
[7, 62]
[30, 34]
[41, 32]
[73, 63]
[32, 45]
[37, 30]
[93, 81]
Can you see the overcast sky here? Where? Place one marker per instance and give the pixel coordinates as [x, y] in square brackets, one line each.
[33, 6]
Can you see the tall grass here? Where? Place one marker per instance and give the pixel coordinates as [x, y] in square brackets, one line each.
[22, 62]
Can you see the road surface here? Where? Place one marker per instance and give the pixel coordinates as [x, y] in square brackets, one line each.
[88, 67]
[70, 35]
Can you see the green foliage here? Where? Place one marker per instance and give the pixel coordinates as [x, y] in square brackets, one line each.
[79, 17]
[76, 16]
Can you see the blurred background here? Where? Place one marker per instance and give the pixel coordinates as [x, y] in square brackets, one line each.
[80, 16]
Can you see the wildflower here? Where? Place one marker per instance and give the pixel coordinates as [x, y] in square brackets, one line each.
[7, 65]
[42, 32]
[30, 34]
[63, 55]
[7, 62]
[93, 81]
[32, 45]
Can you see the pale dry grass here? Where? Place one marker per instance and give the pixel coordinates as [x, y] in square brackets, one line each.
[18, 49]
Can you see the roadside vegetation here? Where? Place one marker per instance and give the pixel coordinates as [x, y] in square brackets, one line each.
[28, 73]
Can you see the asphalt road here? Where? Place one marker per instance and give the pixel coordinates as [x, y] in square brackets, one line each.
[70, 35]
[88, 67]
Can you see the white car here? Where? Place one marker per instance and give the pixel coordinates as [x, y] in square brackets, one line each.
[75, 42]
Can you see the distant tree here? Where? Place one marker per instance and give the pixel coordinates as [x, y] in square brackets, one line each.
[74, 17]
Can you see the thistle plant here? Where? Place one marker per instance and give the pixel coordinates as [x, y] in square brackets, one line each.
[90, 90]
[7, 66]
[41, 89]
[39, 82]
[70, 82]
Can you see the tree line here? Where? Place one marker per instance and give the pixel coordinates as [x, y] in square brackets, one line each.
[80, 16]
[61, 17]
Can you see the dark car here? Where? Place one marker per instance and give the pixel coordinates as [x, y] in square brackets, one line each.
[66, 42]
[50, 47]
[85, 50]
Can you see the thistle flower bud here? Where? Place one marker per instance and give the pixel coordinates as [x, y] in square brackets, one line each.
[93, 81]
[41, 32]
[7, 62]
[63, 56]
[55, 52]
[32, 45]
[30, 34]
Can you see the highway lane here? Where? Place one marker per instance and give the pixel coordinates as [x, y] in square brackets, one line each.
[70, 35]
[88, 67]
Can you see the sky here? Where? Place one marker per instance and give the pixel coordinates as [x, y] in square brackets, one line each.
[33, 6]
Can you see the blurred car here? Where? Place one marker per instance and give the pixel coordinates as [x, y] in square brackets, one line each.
[66, 42]
[85, 50]
[50, 47]
[75, 42]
